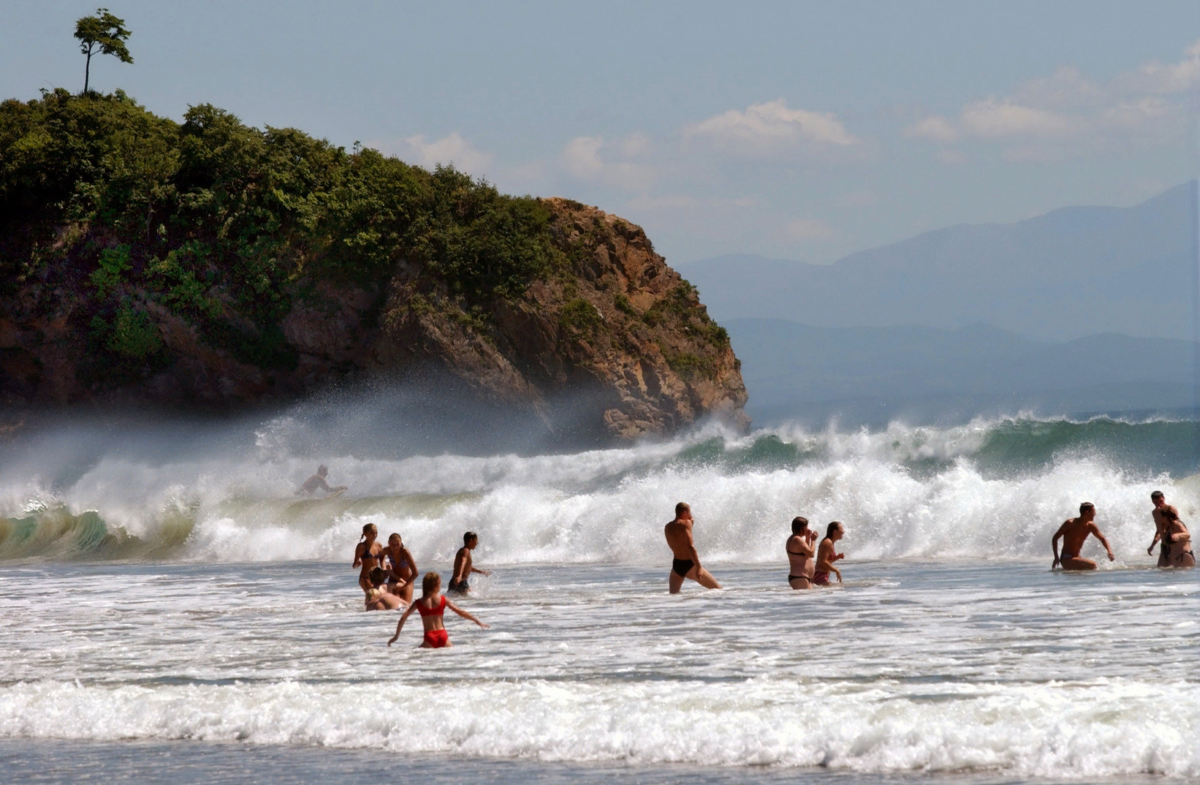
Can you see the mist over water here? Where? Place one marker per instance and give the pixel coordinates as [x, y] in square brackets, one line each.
[199, 490]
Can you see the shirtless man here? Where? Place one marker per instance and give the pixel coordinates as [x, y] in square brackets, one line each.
[1160, 523]
[800, 553]
[463, 565]
[317, 483]
[1073, 533]
[826, 556]
[686, 563]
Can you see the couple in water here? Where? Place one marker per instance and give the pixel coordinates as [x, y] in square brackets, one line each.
[1175, 551]
[390, 587]
[686, 561]
[809, 567]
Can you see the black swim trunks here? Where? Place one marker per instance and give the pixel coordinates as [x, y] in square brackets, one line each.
[681, 566]
[458, 587]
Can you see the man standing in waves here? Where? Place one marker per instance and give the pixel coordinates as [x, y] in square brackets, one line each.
[687, 562]
[1160, 526]
[1073, 533]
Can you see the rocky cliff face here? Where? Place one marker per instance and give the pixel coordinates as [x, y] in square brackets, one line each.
[614, 327]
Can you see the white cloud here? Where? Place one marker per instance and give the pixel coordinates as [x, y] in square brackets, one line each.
[934, 128]
[1160, 78]
[593, 159]
[992, 119]
[771, 124]
[809, 229]
[452, 149]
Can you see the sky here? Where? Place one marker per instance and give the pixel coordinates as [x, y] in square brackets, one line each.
[793, 130]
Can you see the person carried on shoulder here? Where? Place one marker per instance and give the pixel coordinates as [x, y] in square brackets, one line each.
[800, 553]
[1073, 533]
[432, 607]
[464, 565]
[686, 562]
[826, 555]
[1160, 523]
[1177, 540]
[317, 483]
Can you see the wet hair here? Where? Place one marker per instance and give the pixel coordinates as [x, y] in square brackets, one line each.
[468, 537]
[393, 536]
[376, 576]
[1170, 514]
[681, 508]
[367, 527]
[1085, 507]
[1157, 495]
[829, 530]
[430, 582]
[799, 524]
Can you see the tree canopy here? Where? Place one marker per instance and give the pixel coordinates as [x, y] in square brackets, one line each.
[102, 34]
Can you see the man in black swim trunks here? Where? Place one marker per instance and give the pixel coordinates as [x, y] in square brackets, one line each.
[464, 566]
[687, 562]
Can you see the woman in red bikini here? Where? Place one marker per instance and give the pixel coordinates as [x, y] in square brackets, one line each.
[432, 606]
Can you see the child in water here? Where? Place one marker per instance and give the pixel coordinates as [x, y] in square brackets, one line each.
[379, 596]
[432, 606]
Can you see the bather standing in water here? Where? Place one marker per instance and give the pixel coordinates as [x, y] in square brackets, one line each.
[1177, 541]
[686, 563]
[800, 554]
[317, 483]
[826, 555]
[1073, 533]
[1160, 523]
[367, 555]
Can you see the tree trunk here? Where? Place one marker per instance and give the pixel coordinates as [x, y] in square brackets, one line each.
[87, 70]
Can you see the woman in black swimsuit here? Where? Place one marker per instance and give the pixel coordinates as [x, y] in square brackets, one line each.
[367, 554]
[800, 554]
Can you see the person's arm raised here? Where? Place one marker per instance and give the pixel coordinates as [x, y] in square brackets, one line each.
[464, 614]
[400, 624]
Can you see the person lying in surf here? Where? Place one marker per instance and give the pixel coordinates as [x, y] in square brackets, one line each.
[380, 597]
[401, 568]
[826, 555]
[800, 554]
[464, 565]
[317, 483]
[1177, 540]
[1073, 533]
[686, 563]
[432, 606]
[1160, 523]
[367, 555]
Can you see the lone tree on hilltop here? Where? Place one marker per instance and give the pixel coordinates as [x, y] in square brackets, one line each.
[101, 34]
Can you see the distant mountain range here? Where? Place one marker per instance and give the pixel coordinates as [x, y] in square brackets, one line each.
[1070, 273]
[870, 375]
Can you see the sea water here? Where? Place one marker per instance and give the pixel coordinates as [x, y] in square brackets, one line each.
[182, 606]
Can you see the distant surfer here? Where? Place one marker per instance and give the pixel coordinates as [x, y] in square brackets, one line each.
[1073, 533]
[826, 555]
[464, 565]
[401, 568]
[367, 555]
[317, 483]
[686, 563]
[1176, 540]
[432, 607]
[1160, 523]
[800, 554]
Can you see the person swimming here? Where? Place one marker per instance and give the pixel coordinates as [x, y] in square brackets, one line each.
[367, 554]
[826, 556]
[800, 554]
[686, 561]
[432, 607]
[1177, 540]
[380, 597]
[401, 567]
[1073, 533]
[317, 483]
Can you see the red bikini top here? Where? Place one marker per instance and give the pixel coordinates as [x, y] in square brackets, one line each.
[438, 611]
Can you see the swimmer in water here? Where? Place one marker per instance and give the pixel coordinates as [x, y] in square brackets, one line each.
[826, 556]
[317, 483]
[379, 597]
[367, 554]
[1073, 533]
[464, 565]
[800, 554]
[1177, 541]
[686, 563]
[432, 606]
[1160, 523]
[402, 568]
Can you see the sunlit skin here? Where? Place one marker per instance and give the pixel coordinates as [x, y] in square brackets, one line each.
[1177, 541]
[381, 597]
[679, 539]
[800, 553]
[464, 567]
[430, 600]
[367, 555]
[1160, 506]
[401, 567]
[826, 556]
[1073, 533]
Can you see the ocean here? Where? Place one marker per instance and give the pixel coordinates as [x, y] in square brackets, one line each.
[171, 612]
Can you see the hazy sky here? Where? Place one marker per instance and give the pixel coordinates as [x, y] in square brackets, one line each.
[796, 130]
